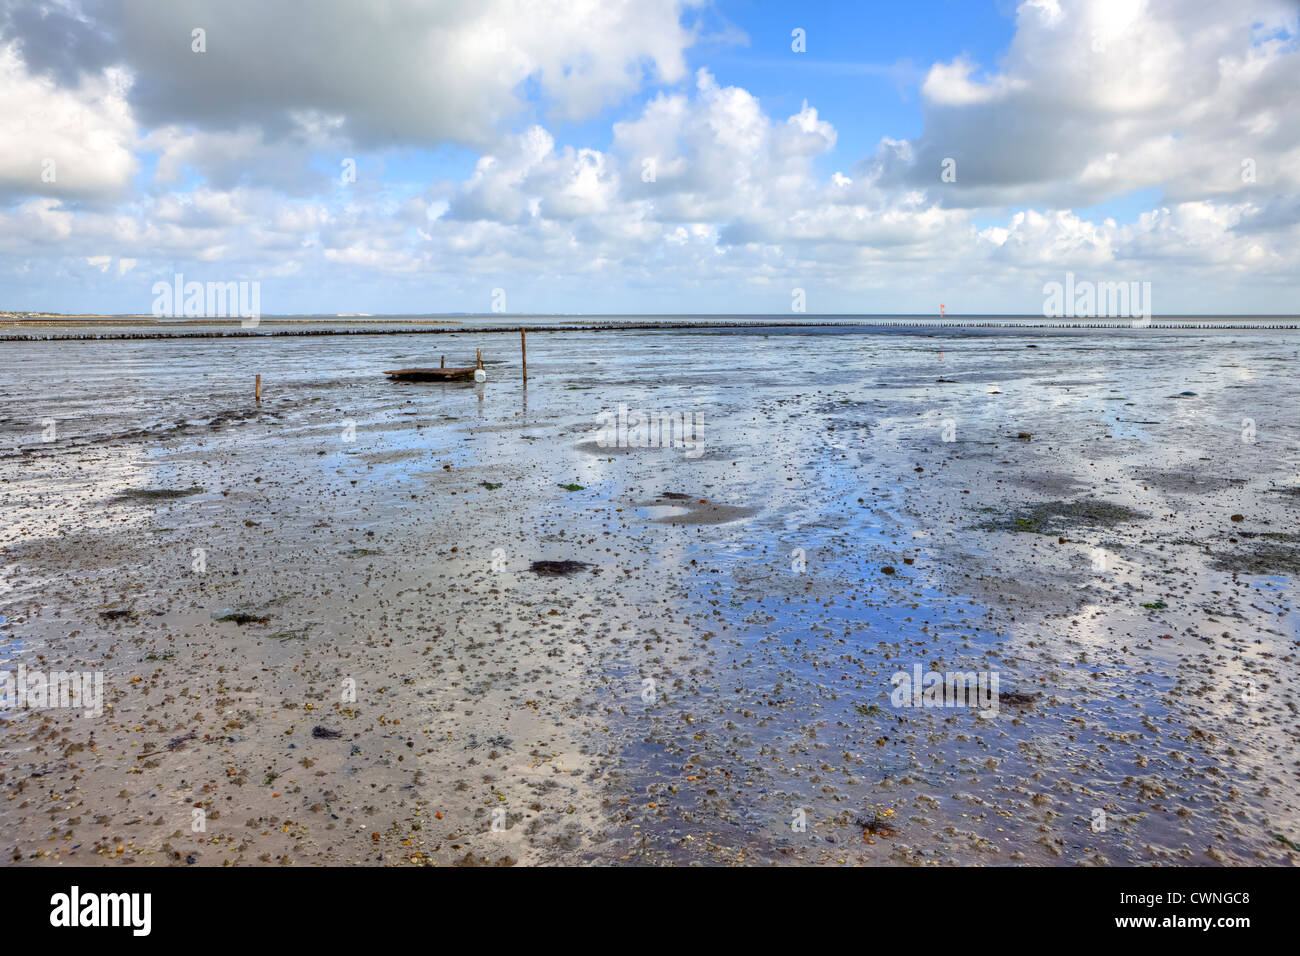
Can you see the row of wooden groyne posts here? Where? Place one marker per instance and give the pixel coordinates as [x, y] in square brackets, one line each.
[645, 326]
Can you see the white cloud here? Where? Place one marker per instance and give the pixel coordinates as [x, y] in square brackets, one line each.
[704, 187]
[70, 142]
[718, 156]
[404, 71]
[949, 84]
[244, 156]
[1099, 98]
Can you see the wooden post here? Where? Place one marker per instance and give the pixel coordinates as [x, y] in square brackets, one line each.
[480, 358]
[523, 350]
[444, 362]
[257, 389]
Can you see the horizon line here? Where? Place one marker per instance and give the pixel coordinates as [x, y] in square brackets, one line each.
[18, 313]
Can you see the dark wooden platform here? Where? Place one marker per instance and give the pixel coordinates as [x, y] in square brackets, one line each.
[431, 374]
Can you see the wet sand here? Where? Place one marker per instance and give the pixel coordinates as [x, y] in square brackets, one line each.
[828, 536]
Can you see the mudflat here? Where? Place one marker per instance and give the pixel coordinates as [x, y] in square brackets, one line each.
[366, 622]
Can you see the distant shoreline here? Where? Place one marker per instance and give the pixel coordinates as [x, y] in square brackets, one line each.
[84, 329]
[50, 318]
[364, 318]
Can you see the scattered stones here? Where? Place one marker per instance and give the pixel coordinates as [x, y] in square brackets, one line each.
[469, 696]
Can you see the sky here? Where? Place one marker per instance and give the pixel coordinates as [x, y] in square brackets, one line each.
[650, 156]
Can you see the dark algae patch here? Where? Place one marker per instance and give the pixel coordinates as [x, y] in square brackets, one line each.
[877, 822]
[241, 618]
[557, 568]
[158, 494]
[1267, 557]
[1016, 698]
[469, 859]
[1053, 517]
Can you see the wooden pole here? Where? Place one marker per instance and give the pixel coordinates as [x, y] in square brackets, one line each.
[257, 389]
[444, 362]
[480, 358]
[523, 350]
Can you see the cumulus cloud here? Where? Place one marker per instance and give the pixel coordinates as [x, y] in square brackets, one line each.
[67, 141]
[701, 188]
[401, 72]
[718, 156]
[244, 156]
[949, 84]
[60, 39]
[1097, 99]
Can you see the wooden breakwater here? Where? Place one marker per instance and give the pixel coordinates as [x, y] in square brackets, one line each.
[83, 334]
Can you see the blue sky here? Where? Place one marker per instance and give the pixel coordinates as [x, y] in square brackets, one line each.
[506, 147]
